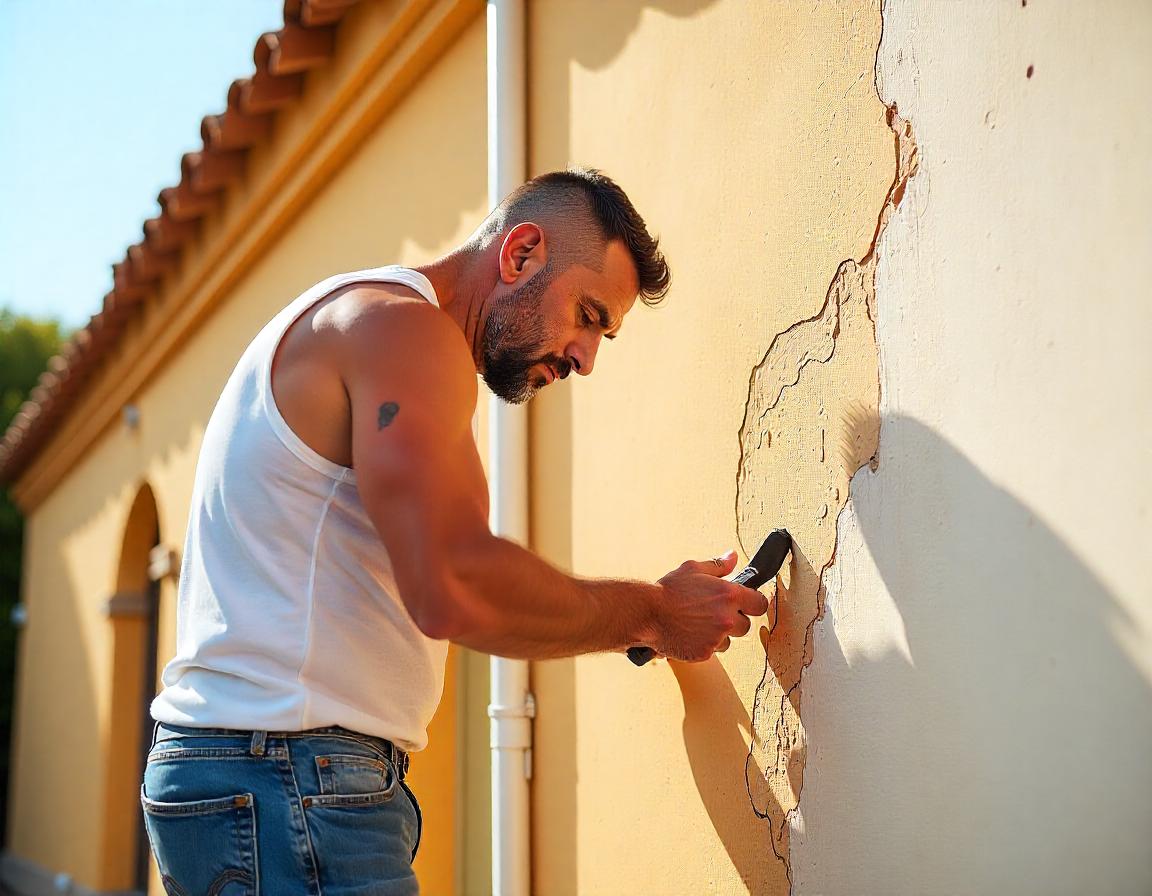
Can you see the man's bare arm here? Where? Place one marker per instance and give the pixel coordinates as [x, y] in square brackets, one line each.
[413, 390]
[412, 387]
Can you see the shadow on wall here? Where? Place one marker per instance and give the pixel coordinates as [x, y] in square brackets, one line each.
[593, 42]
[601, 45]
[1010, 755]
[717, 731]
[1021, 732]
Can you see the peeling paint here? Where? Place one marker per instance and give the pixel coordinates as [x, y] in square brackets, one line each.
[788, 477]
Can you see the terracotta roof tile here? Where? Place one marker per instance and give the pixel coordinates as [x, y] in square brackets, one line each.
[213, 170]
[234, 130]
[265, 92]
[128, 288]
[182, 204]
[296, 49]
[148, 263]
[282, 60]
[166, 234]
[314, 13]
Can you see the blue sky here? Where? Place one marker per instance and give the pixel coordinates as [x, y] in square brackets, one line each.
[98, 102]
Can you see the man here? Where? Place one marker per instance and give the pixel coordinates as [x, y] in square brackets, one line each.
[339, 538]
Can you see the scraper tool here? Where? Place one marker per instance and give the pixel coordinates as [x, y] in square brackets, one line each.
[764, 566]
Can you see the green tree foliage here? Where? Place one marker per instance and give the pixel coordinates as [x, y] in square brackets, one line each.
[26, 344]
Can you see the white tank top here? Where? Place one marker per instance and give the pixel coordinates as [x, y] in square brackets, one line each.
[288, 615]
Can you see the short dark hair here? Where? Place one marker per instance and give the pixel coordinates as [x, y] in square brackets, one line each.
[612, 215]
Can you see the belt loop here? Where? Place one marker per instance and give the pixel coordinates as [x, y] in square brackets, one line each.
[155, 731]
[257, 748]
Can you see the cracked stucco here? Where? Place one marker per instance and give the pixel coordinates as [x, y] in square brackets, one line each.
[983, 669]
[810, 423]
[765, 163]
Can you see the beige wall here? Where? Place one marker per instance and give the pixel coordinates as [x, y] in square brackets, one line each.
[751, 137]
[976, 716]
[980, 704]
[413, 189]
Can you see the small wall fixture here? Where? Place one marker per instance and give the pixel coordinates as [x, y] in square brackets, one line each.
[131, 415]
[162, 562]
[127, 603]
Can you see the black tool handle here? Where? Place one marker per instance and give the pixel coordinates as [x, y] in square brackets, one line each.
[764, 566]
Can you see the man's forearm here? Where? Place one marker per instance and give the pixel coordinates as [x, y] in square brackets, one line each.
[510, 602]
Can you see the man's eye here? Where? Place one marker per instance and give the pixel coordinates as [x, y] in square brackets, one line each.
[588, 320]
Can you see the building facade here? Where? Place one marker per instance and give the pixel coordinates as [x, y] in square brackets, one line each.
[907, 324]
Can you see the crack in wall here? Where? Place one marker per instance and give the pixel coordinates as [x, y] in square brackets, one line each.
[786, 477]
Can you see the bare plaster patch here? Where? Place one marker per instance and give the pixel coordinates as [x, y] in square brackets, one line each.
[810, 422]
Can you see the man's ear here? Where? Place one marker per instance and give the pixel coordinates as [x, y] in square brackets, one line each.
[523, 252]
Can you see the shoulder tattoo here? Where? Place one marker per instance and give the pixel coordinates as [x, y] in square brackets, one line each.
[388, 412]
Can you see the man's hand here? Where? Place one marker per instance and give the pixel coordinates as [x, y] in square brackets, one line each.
[700, 612]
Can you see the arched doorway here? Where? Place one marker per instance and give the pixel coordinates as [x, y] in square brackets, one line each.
[133, 614]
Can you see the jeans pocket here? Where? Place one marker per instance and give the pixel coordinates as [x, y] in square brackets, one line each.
[353, 780]
[204, 846]
[359, 831]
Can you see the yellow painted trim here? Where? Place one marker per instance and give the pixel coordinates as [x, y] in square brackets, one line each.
[420, 33]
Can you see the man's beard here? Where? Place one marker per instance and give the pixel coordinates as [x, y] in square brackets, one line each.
[513, 341]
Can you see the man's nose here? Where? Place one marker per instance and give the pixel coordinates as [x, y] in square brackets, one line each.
[582, 354]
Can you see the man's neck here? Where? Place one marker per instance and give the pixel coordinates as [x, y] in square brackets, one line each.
[461, 289]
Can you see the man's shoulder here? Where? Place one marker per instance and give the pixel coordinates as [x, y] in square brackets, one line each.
[388, 329]
[388, 313]
[373, 303]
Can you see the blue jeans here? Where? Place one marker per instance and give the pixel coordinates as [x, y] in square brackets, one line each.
[323, 812]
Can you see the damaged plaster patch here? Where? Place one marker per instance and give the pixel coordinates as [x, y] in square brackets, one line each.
[797, 476]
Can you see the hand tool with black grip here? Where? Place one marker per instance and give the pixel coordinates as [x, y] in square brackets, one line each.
[763, 567]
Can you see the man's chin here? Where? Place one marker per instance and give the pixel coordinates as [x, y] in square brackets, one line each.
[515, 394]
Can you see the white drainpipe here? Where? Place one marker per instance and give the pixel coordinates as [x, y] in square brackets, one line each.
[512, 706]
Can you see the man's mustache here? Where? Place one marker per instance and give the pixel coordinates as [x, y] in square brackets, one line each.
[562, 366]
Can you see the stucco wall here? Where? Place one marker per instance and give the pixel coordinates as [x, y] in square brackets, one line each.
[752, 139]
[406, 196]
[979, 709]
[976, 718]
